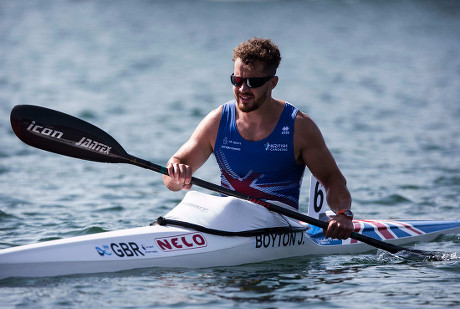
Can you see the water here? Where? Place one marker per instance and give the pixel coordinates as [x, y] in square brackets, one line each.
[381, 79]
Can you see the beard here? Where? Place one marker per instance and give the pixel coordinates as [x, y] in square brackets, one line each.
[250, 107]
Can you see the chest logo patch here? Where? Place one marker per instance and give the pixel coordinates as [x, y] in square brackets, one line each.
[276, 147]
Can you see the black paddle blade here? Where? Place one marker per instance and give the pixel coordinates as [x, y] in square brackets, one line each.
[60, 133]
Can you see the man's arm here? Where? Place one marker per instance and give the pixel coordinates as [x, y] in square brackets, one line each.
[314, 153]
[193, 154]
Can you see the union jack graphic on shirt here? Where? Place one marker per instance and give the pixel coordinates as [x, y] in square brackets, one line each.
[257, 185]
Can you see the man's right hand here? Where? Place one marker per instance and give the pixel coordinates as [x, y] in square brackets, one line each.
[180, 176]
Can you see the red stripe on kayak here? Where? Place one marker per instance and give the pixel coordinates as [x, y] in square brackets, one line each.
[408, 226]
[358, 229]
[381, 229]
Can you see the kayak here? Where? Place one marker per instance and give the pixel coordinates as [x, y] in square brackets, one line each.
[203, 230]
[207, 231]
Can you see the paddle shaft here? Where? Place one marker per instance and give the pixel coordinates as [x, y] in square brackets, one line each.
[61, 133]
[272, 207]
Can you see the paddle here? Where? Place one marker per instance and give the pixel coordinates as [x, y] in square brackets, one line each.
[61, 133]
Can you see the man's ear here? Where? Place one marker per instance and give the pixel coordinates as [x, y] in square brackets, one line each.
[274, 81]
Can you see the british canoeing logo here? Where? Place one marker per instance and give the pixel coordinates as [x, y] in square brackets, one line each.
[276, 147]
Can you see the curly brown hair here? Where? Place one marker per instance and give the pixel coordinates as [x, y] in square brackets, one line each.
[258, 49]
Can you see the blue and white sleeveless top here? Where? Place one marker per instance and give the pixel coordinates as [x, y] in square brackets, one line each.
[264, 169]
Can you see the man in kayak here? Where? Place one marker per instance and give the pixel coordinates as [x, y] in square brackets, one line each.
[262, 144]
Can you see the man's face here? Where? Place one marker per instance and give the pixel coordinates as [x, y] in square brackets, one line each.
[250, 99]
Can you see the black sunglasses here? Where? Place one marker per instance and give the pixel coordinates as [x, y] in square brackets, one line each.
[252, 82]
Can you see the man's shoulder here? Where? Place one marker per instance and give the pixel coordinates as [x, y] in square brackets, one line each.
[306, 131]
[210, 123]
[215, 114]
[304, 121]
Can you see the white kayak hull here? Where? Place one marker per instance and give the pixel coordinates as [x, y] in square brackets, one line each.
[176, 246]
[165, 246]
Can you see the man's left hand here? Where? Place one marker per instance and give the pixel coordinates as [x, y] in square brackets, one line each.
[339, 227]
